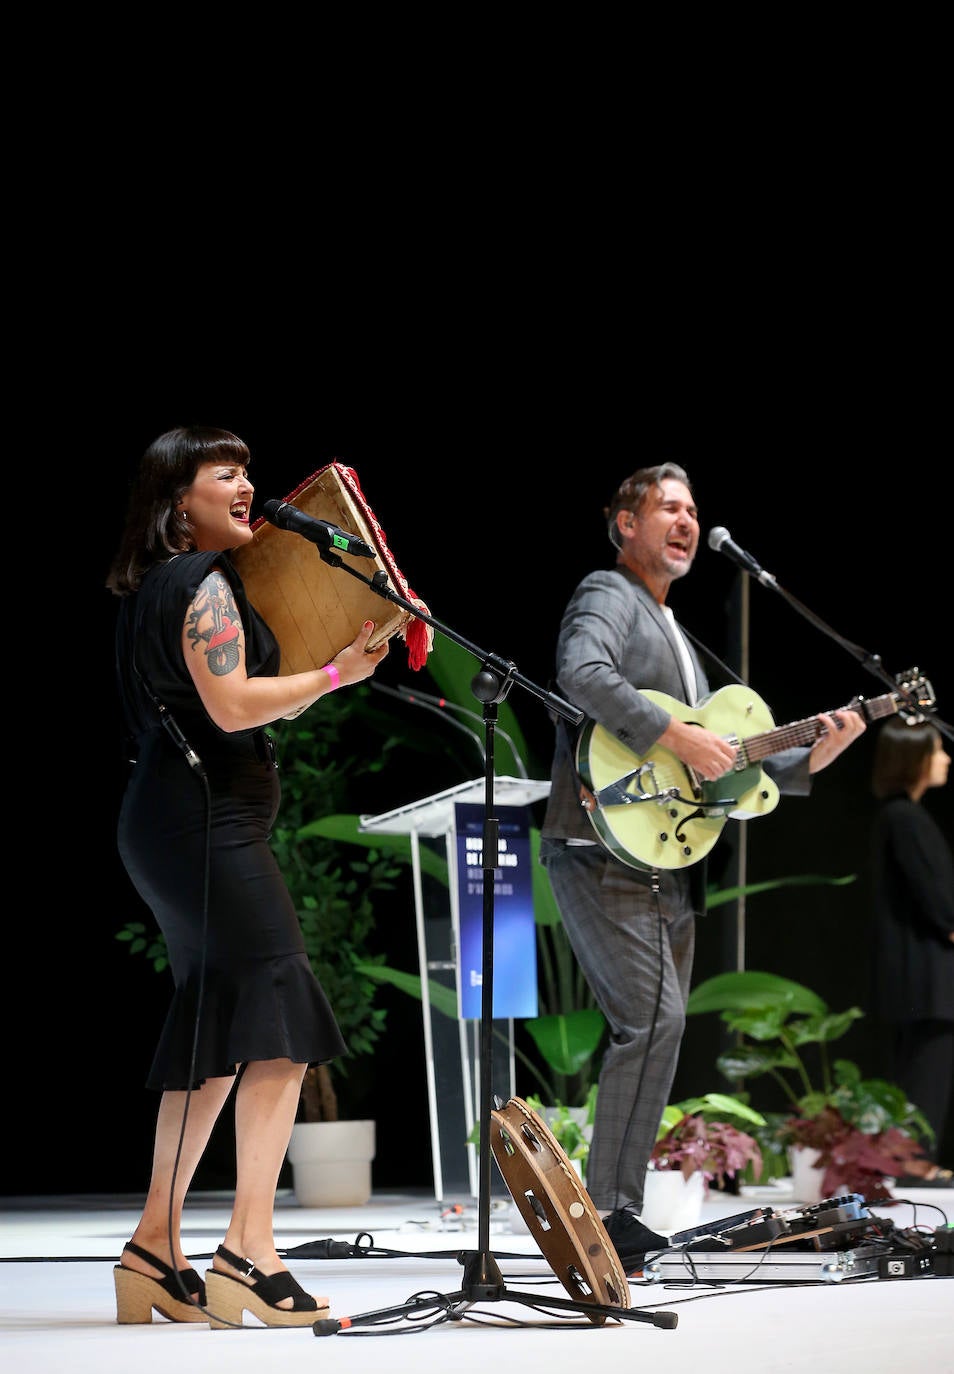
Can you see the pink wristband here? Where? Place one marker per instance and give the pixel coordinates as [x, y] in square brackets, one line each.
[333, 673]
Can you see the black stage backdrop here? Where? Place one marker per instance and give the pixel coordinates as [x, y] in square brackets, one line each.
[490, 489]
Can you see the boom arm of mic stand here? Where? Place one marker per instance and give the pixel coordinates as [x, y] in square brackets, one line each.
[379, 584]
[869, 661]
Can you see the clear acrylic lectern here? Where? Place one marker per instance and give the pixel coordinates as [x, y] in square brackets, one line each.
[452, 1076]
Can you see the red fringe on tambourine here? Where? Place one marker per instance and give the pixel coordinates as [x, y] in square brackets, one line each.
[417, 635]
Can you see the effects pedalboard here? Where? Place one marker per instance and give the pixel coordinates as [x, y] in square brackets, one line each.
[824, 1242]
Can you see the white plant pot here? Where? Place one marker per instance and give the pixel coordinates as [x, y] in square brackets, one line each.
[670, 1202]
[806, 1179]
[331, 1162]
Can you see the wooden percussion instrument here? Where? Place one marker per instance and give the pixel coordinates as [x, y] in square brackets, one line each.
[314, 609]
[556, 1207]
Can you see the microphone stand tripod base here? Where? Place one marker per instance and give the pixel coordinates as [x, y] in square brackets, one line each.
[561, 1218]
[483, 1281]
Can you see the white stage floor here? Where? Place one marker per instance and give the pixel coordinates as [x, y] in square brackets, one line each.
[57, 1310]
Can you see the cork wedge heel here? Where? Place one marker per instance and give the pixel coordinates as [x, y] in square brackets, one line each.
[230, 1297]
[139, 1295]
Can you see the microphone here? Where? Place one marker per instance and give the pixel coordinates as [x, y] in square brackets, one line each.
[722, 542]
[320, 532]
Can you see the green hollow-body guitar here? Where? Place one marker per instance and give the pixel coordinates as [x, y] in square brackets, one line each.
[653, 811]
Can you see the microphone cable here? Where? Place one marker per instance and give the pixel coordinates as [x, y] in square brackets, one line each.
[195, 764]
[200, 994]
[652, 1033]
[172, 728]
[654, 888]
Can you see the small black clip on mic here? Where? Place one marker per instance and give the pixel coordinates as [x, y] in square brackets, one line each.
[320, 532]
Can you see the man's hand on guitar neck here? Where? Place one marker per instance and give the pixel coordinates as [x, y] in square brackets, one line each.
[707, 754]
[710, 755]
[836, 731]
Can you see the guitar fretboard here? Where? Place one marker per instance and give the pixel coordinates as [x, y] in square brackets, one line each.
[799, 732]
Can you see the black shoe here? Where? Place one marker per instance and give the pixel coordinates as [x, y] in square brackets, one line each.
[138, 1294]
[631, 1238]
[230, 1296]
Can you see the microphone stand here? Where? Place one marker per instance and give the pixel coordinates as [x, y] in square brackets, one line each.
[482, 1281]
[916, 691]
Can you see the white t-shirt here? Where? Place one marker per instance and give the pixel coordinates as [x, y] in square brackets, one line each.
[682, 649]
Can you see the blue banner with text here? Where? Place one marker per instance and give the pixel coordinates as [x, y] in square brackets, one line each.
[514, 932]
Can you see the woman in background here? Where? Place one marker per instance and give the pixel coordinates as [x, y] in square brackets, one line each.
[912, 873]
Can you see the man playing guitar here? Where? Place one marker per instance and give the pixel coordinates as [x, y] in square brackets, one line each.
[620, 657]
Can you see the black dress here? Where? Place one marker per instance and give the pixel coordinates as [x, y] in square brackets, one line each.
[913, 892]
[197, 850]
[912, 871]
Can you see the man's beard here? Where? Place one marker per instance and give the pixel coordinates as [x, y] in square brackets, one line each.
[676, 570]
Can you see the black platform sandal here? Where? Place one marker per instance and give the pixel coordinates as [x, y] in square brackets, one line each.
[229, 1297]
[137, 1294]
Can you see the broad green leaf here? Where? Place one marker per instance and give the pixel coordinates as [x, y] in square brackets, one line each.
[723, 1104]
[750, 989]
[567, 1042]
[822, 1030]
[748, 1061]
[345, 827]
[718, 896]
[441, 998]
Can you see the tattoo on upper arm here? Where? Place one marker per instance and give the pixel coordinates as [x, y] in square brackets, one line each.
[214, 621]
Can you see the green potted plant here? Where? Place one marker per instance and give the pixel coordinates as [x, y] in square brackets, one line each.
[335, 893]
[570, 1030]
[700, 1142]
[571, 1127]
[699, 1135]
[864, 1130]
